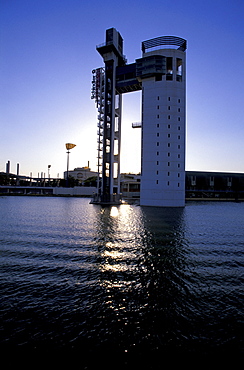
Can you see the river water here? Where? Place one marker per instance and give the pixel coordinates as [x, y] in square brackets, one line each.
[137, 282]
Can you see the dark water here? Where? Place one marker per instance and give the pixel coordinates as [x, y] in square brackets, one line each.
[134, 282]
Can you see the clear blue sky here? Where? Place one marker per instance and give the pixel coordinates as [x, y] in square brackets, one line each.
[47, 53]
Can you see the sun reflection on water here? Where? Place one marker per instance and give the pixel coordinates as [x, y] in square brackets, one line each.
[115, 258]
[114, 211]
[122, 231]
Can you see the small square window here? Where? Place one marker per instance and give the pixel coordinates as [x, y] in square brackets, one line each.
[179, 128]
[168, 145]
[157, 182]
[178, 100]
[168, 135]
[178, 118]
[168, 116]
[157, 153]
[157, 134]
[178, 109]
[168, 164]
[169, 107]
[158, 125]
[168, 126]
[157, 143]
[157, 115]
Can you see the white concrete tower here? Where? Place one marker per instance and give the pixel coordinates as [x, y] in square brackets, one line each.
[163, 121]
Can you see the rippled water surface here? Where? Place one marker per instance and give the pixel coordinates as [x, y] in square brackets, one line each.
[126, 280]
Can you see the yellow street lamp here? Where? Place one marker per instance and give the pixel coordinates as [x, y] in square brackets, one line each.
[68, 147]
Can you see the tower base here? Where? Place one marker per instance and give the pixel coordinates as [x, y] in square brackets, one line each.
[107, 199]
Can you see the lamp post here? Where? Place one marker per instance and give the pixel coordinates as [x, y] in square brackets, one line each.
[68, 147]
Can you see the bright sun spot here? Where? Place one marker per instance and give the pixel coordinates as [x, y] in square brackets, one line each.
[114, 212]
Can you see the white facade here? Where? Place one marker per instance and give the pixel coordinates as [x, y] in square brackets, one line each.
[163, 133]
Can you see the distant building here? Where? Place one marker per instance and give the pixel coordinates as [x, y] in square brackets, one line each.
[225, 186]
[220, 185]
[130, 185]
[81, 173]
[199, 185]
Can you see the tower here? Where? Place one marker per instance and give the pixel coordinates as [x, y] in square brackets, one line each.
[109, 119]
[161, 75]
[163, 121]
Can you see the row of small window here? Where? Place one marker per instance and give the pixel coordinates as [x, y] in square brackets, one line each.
[169, 135]
[169, 117]
[178, 165]
[169, 108]
[168, 183]
[178, 155]
[157, 172]
[169, 126]
[169, 144]
[169, 99]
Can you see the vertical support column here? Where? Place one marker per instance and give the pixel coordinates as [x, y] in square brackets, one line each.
[118, 114]
[98, 93]
[107, 171]
[112, 55]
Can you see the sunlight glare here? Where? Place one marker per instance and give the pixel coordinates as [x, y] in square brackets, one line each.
[114, 212]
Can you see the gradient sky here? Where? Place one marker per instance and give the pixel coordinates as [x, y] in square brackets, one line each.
[47, 53]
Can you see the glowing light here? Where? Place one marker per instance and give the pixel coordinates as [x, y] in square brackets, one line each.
[114, 212]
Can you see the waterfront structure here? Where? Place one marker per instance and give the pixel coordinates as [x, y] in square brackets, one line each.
[225, 186]
[160, 74]
[214, 185]
[199, 185]
[163, 122]
[108, 101]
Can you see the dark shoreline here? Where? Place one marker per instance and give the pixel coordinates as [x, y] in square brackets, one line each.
[127, 200]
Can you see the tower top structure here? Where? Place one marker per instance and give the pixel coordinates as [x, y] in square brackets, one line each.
[113, 44]
[168, 41]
